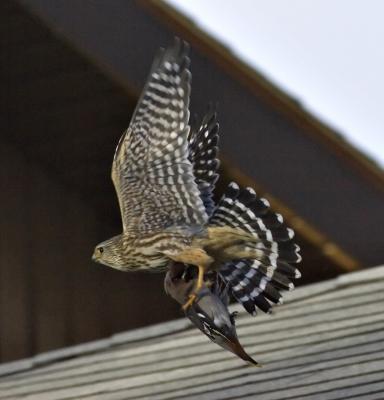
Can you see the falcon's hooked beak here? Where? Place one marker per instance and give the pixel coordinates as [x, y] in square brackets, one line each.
[95, 257]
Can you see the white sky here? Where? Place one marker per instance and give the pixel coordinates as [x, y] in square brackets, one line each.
[328, 54]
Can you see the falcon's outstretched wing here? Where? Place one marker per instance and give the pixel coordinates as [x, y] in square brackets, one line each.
[151, 171]
[203, 141]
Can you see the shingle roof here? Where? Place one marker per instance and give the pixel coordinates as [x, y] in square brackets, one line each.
[325, 342]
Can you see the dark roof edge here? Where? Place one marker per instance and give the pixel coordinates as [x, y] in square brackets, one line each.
[262, 87]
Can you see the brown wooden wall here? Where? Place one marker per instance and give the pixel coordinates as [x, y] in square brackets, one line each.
[51, 294]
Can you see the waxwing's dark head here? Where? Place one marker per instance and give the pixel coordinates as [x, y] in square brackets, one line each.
[209, 312]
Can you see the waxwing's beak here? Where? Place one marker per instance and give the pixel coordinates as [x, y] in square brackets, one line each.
[233, 345]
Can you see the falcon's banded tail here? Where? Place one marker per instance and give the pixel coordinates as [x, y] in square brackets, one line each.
[257, 282]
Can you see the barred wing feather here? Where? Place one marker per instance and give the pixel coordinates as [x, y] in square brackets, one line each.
[151, 171]
[203, 149]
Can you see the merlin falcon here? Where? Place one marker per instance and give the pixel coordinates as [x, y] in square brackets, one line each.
[164, 173]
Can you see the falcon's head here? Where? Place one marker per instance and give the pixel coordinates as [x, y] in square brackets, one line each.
[109, 253]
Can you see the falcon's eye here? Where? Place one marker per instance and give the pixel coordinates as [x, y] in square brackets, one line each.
[100, 249]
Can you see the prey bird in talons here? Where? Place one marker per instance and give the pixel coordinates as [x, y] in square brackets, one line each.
[164, 174]
[253, 283]
[209, 312]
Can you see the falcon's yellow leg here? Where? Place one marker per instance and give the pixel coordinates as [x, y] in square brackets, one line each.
[199, 285]
[194, 256]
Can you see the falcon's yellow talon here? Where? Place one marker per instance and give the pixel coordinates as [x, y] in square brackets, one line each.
[198, 287]
[190, 301]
